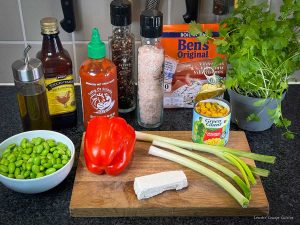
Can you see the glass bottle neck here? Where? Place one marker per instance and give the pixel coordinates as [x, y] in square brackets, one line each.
[150, 41]
[51, 43]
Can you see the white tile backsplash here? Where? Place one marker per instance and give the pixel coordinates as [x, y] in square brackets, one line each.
[34, 11]
[9, 54]
[10, 21]
[89, 14]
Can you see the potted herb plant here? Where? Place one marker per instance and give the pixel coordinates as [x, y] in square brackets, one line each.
[262, 50]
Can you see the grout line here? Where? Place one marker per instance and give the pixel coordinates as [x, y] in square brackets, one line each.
[78, 84]
[12, 42]
[7, 84]
[40, 42]
[106, 42]
[169, 11]
[22, 22]
[30, 42]
[75, 57]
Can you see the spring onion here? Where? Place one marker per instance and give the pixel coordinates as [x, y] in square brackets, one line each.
[204, 148]
[259, 171]
[241, 199]
[255, 170]
[245, 188]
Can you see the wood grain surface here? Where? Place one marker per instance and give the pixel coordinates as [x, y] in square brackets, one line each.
[107, 196]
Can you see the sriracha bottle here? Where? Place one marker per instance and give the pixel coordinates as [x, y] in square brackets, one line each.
[98, 77]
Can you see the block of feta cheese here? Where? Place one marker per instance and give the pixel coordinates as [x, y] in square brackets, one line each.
[154, 184]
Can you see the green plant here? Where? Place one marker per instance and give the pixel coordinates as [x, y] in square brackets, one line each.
[263, 52]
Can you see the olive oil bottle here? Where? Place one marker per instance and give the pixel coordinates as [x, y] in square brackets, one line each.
[31, 93]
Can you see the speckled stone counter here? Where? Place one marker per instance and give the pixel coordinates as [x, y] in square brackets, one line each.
[52, 207]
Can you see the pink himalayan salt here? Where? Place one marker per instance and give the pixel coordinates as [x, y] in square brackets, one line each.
[150, 84]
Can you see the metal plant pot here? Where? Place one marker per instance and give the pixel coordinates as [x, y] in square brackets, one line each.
[243, 106]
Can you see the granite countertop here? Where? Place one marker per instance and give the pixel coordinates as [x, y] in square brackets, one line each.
[52, 207]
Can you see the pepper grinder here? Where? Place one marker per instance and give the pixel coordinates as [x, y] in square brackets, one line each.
[31, 93]
[122, 51]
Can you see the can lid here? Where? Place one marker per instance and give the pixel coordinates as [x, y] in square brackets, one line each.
[49, 25]
[27, 69]
[151, 22]
[120, 12]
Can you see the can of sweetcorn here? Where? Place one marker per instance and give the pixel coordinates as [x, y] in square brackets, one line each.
[211, 122]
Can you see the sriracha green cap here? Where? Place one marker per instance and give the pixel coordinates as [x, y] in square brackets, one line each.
[96, 48]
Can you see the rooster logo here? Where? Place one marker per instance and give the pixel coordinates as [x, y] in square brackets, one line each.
[102, 102]
[64, 98]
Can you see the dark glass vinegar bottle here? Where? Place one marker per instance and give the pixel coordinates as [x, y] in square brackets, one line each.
[59, 79]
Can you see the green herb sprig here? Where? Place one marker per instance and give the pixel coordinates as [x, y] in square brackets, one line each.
[263, 51]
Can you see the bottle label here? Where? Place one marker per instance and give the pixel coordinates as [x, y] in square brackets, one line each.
[99, 98]
[60, 94]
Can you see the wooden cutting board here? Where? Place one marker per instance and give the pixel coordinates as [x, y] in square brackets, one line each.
[107, 196]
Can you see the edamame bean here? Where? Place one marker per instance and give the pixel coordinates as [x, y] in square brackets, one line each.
[47, 165]
[3, 168]
[28, 151]
[4, 162]
[17, 172]
[35, 169]
[28, 166]
[29, 145]
[53, 149]
[53, 161]
[64, 161]
[50, 170]
[11, 146]
[40, 174]
[25, 157]
[49, 156]
[55, 154]
[19, 163]
[43, 161]
[61, 152]
[23, 142]
[42, 168]
[37, 160]
[65, 157]
[11, 175]
[58, 161]
[11, 167]
[58, 166]
[12, 157]
[23, 166]
[46, 146]
[3, 173]
[26, 174]
[68, 153]
[51, 142]
[39, 149]
[32, 175]
[20, 176]
[30, 160]
[45, 152]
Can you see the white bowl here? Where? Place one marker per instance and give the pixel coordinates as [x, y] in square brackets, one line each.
[37, 185]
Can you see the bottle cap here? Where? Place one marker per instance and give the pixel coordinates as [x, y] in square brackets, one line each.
[27, 69]
[96, 48]
[49, 25]
[120, 12]
[151, 23]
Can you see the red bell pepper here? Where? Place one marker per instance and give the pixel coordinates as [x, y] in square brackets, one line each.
[108, 145]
